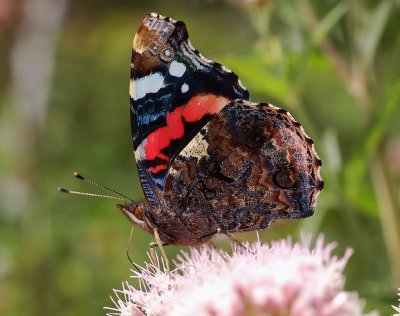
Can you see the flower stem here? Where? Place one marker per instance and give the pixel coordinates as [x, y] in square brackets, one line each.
[388, 212]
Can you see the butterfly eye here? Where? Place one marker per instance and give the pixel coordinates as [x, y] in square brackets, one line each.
[167, 54]
[154, 50]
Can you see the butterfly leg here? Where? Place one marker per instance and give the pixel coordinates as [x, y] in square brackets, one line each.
[153, 245]
[234, 240]
[219, 231]
[161, 245]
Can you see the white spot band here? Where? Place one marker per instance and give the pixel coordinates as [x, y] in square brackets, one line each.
[184, 88]
[177, 69]
[148, 84]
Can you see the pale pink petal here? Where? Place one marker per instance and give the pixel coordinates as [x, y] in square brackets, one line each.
[277, 279]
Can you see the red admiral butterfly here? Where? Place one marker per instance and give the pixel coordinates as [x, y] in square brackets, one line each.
[210, 161]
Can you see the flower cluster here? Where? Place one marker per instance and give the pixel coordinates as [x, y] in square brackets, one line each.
[282, 278]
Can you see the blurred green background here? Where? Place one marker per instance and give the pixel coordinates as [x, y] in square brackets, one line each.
[64, 106]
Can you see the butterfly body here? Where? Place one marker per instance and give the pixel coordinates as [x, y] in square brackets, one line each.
[210, 160]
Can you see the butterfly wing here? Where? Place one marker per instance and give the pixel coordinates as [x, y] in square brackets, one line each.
[174, 92]
[251, 164]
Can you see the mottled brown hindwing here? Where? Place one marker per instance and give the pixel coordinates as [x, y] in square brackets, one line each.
[250, 165]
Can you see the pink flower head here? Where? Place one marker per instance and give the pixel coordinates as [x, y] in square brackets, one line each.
[277, 279]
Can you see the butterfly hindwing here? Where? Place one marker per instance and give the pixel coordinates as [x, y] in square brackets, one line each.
[174, 92]
[252, 163]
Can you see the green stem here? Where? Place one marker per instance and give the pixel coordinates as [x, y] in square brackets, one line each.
[388, 212]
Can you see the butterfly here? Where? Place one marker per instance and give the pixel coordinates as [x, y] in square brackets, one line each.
[209, 160]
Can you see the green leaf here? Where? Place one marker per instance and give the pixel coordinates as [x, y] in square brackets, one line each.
[328, 22]
[357, 167]
[374, 23]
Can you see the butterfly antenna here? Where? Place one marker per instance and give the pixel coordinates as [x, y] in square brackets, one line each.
[62, 190]
[80, 177]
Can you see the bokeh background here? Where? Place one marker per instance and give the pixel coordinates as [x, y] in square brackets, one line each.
[64, 106]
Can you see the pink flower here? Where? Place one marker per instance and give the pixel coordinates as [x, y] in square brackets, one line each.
[278, 279]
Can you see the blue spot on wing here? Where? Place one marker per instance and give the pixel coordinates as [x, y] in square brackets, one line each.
[147, 188]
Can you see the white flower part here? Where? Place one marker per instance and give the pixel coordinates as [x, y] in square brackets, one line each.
[277, 279]
[176, 69]
[148, 84]
[185, 88]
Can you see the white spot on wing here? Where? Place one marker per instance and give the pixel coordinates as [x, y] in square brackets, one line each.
[197, 147]
[177, 69]
[184, 88]
[148, 84]
[139, 153]
[189, 43]
[195, 57]
[226, 69]
[241, 84]
[206, 60]
[161, 17]
[131, 88]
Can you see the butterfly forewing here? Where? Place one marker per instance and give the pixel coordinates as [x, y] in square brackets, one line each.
[174, 92]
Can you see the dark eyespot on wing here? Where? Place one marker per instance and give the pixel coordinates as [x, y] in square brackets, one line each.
[285, 179]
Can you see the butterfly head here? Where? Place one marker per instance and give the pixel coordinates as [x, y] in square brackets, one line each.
[157, 43]
[135, 213]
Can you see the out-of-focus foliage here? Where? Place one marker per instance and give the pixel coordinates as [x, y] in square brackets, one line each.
[333, 64]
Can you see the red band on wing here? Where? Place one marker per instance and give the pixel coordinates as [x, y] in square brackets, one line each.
[157, 168]
[193, 111]
[201, 105]
[161, 138]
